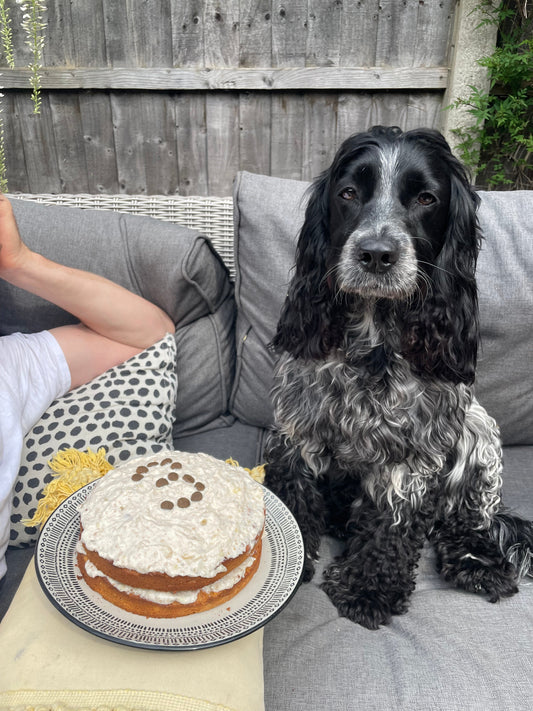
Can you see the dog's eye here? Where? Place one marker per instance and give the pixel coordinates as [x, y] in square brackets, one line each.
[426, 199]
[348, 194]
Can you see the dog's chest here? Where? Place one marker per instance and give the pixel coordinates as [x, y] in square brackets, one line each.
[389, 416]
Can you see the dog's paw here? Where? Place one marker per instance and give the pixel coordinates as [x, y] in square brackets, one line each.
[477, 574]
[362, 607]
[366, 606]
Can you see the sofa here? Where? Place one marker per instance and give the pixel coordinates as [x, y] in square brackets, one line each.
[223, 287]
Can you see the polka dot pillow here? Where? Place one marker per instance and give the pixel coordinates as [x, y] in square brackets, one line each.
[128, 410]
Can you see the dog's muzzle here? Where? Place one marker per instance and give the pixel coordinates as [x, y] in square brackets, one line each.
[378, 264]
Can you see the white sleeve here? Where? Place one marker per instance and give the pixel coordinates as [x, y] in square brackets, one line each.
[33, 373]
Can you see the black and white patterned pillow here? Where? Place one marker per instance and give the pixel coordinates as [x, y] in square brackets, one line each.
[128, 410]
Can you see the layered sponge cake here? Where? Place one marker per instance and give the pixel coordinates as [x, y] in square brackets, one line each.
[172, 534]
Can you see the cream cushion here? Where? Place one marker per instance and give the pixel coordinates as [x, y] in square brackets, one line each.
[50, 663]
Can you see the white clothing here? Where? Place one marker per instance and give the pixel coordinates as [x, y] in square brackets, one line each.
[33, 373]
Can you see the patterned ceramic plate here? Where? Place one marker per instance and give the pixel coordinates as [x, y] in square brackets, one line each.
[265, 595]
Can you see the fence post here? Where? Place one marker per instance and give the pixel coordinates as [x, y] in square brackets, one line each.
[470, 42]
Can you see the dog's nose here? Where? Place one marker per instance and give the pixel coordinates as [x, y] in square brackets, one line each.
[377, 255]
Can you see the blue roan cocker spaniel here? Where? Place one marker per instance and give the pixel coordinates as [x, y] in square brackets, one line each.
[378, 436]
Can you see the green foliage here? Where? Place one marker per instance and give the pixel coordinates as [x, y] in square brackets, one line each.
[500, 143]
[30, 18]
[6, 34]
[33, 26]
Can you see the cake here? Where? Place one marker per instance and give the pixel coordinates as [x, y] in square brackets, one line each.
[171, 534]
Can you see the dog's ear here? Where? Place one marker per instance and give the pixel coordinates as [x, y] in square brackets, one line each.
[447, 333]
[304, 328]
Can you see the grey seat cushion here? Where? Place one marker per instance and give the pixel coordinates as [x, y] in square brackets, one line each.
[452, 651]
[268, 215]
[505, 268]
[172, 266]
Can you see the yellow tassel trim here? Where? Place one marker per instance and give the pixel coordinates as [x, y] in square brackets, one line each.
[73, 470]
[257, 473]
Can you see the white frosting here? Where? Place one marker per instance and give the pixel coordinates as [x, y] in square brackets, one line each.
[123, 521]
[186, 597]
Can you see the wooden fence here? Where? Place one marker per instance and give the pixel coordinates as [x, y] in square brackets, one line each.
[176, 96]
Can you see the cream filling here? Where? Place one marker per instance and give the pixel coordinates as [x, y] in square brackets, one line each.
[185, 597]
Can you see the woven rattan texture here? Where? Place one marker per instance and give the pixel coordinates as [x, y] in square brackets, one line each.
[213, 216]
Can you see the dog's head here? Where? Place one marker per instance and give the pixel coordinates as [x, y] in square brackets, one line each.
[393, 218]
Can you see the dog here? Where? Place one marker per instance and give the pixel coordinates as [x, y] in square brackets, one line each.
[378, 437]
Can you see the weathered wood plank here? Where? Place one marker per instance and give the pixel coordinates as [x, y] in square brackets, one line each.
[184, 79]
[323, 33]
[254, 107]
[191, 136]
[423, 110]
[99, 141]
[59, 24]
[14, 143]
[129, 143]
[156, 122]
[288, 116]
[151, 32]
[222, 120]
[396, 36]
[118, 29]
[358, 33]
[39, 146]
[433, 31]
[66, 122]
[255, 133]
[255, 41]
[320, 133]
[289, 30]
[145, 141]
[221, 35]
[354, 114]
[187, 20]
[88, 34]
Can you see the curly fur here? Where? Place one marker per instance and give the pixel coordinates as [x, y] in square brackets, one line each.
[379, 438]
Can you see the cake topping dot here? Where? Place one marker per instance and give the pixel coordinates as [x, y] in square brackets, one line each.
[166, 461]
[161, 482]
[188, 478]
[175, 465]
[167, 505]
[183, 503]
[152, 464]
[137, 476]
[199, 486]
[173, 476]
[197, 496]
[141, 470]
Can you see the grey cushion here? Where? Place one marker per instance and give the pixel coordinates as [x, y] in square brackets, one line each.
[170, 265]
[243, 443]
[268, 215]
[452, 651]
[505, 270]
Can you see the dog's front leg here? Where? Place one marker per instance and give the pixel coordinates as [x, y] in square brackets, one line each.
[469, 533]
[375, 576]
[288, 476]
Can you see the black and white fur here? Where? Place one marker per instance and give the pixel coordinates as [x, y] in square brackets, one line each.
[379, 437]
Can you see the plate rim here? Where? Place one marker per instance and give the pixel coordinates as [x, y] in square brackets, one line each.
[272, 501]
